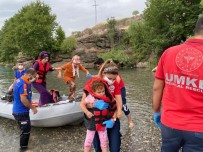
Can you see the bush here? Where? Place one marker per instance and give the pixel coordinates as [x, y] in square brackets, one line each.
[68, 44]
[119, 55]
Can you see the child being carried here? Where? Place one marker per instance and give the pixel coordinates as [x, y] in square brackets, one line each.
[95, 90]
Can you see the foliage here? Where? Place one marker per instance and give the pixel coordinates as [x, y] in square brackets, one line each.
[135, 12]
[171, 21]
[58, 40]
[68, 44]
[165, 23]
[111, 27]
[30, 30]
[139, 39]
[117, 54]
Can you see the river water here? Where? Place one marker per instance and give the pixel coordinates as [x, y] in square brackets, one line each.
[144, 137]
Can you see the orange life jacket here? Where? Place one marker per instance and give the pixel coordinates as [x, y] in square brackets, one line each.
[100, 115]
[42, 71]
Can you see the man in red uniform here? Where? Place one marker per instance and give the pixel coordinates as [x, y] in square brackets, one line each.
[178, 89]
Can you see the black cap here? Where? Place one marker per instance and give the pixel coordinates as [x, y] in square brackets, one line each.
[99, 61]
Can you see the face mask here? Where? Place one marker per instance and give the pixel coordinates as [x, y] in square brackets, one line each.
[32, 79]
[20, 67]
[108, 81]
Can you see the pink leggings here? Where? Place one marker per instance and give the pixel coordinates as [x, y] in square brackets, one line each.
[102, 137]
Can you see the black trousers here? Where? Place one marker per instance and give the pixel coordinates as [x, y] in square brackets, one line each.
[23, 120]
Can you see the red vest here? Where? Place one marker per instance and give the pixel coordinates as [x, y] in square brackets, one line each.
[101, 115]
[42, 71]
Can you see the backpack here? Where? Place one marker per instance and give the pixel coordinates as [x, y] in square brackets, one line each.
[55, 96]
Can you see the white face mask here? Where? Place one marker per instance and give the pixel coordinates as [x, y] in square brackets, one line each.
[20, 67]
[32, 80]
[108, 81]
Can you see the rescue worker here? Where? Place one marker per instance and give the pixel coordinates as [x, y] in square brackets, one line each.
[22, 105]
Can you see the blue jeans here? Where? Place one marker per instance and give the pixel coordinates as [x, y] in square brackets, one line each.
[125, 107]
[173, 140]
[114, 137]
[23, 120]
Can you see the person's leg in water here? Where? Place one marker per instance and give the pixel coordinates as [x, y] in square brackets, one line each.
[45, 96]
[125, 108]
[71, 94]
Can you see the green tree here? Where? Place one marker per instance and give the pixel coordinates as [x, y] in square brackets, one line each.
[111, 28]
[30, 30]
[140, 40]
[171, 21]
[8, 47]
[58, 39]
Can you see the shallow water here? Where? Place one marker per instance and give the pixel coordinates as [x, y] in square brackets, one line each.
[144, 137]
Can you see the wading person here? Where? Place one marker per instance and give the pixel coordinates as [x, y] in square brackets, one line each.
[99, 62]
[22, 105]
[42, 66]
[71, 71]
[178, 95]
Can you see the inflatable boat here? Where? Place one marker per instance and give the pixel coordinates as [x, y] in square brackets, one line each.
[62, 113]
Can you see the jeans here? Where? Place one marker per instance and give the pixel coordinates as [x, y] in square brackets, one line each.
[173, 140]
[114, 137]
[125, 107]
[23, 120]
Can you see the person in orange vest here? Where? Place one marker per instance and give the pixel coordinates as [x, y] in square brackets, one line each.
[42, 66]
[71, 70]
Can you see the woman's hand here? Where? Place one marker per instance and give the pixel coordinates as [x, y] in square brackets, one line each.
[109, 123]
[59, 75]
[119, 114]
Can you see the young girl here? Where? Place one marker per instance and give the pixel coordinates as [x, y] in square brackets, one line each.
[96, 89]
[108, 72]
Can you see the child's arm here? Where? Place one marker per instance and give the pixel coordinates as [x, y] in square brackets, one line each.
[84, 108]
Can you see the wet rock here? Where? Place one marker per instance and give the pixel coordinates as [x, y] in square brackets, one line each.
[142, 65]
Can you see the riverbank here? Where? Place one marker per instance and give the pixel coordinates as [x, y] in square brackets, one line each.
[144, 137]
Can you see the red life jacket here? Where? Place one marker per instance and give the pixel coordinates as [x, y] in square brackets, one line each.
[42, 71]
[101, 115]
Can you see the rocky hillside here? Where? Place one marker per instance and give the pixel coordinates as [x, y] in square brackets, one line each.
[91, 42]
